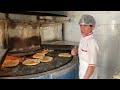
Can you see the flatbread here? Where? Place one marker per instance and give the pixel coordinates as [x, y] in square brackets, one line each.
[46, 51]
[31, 62]
[46, 59]
[51, 50]
[38, 55]
[41, 53]
[64, 55]
[10, 63]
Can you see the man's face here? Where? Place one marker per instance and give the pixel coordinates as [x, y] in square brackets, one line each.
[86, 29]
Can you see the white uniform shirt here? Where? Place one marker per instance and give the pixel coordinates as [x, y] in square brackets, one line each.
[87, 51]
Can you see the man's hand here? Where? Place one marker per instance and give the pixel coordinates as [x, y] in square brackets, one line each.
[74, 52]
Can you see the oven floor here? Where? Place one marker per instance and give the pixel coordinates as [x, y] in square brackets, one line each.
[21, 70]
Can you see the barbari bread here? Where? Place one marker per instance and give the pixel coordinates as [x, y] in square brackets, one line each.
[10, 63]
[38, 55]
[46, 59]
[31, 62]
[41, 53]
[46, 51]
[64, 55]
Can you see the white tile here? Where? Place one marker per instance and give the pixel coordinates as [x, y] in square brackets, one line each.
[113, 30]
[101, 30]
[105, 73]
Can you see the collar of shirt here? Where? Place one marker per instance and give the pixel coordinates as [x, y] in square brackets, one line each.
[88, 34]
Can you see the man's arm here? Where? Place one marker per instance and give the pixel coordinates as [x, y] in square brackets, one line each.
[92, 54]
[89, 72]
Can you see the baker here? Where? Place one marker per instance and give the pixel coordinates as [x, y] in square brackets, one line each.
[88, 48]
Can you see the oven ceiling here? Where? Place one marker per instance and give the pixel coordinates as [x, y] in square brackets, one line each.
[42, 13]
[57, 13]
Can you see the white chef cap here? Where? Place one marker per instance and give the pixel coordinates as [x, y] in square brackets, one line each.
[87, 19]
